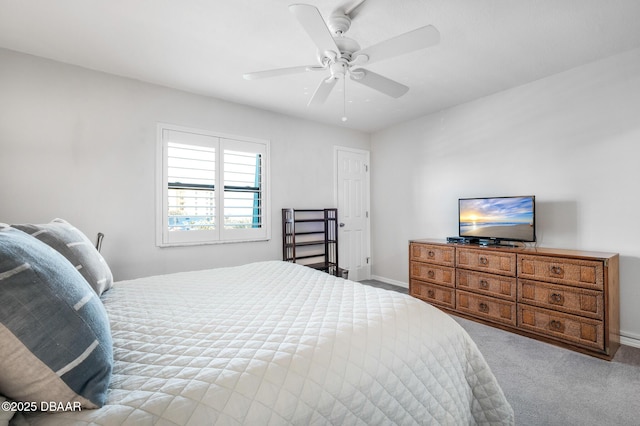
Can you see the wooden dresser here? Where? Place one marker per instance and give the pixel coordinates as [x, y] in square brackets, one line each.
[566, 297]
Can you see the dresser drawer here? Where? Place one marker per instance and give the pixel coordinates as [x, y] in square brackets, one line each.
[488, 308]
[435, 274]
[569, 328]
[441, 255]
[576, 272]
[488, 284]
[487, 261]
[432, 293]
[568, 299]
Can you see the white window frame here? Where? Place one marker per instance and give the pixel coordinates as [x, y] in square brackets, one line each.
[220, 141]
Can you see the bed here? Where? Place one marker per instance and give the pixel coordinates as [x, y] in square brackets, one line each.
[279, 343]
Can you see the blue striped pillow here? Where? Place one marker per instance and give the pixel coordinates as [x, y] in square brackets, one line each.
[70, 242]
[56, 340]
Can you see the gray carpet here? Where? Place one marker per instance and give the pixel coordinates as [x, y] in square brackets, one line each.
[548, 385]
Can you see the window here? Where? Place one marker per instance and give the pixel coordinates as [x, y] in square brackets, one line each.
[212, 188]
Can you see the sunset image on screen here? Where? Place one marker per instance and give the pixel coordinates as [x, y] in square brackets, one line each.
[507, 218]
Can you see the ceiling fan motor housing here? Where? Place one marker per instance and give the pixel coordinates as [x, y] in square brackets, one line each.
[346, 46]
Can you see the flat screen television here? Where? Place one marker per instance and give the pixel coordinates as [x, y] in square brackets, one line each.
[498, 218]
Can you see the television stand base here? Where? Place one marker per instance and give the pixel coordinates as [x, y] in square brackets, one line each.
[496, 243]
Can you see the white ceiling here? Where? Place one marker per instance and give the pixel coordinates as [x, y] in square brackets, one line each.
[204, 46]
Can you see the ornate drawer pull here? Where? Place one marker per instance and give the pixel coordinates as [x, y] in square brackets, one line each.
[556, 326]
[483, 260]
[430, 273]
[556, 270]
[431, 293]
[556, 299]
[431, 253]
[484, 284]
[483, 307]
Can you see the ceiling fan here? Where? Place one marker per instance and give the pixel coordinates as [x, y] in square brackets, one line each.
[342, 56]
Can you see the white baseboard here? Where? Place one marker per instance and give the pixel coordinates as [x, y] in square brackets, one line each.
[389, 281]
[626, 338]
[630, 339]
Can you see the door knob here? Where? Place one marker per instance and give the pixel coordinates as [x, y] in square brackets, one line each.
[341, 225]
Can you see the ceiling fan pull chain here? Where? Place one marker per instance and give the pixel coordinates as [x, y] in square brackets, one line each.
[344, 99]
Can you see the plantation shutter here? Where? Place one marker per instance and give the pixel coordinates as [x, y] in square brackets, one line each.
[243, 200]
[190, 176]
[213, 189]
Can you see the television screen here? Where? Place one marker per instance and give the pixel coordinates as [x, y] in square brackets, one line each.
[499, 218]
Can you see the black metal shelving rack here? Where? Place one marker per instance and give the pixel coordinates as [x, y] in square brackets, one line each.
[310, 238]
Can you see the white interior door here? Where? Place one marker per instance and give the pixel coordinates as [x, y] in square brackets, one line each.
[352, 194]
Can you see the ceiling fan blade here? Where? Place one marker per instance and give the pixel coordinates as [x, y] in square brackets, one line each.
[408, 42]
[379, 83]
[311, 20]
[281, 71]
[322, 92]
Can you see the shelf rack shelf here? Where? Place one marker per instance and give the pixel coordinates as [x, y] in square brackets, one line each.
[310, 238]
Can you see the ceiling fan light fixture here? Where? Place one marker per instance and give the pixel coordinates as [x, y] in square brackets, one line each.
[327, 57]
[338, 69]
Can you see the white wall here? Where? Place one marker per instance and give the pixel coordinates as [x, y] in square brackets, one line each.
[80, 145]
[572, 140]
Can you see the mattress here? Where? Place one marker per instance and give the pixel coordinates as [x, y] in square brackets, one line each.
[279, 343]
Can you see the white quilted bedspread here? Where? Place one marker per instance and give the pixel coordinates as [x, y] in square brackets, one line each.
[278, 343]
